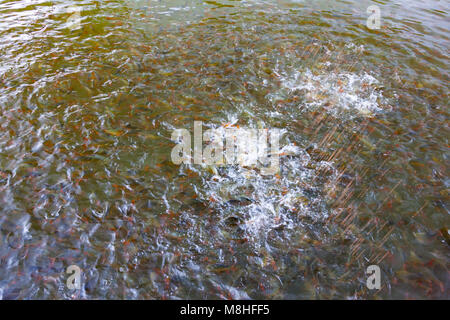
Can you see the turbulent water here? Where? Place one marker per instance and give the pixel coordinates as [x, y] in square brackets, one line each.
[88, 104]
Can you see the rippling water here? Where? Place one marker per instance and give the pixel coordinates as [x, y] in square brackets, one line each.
[86, 177]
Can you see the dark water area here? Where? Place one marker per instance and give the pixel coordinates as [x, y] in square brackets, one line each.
[88, 107]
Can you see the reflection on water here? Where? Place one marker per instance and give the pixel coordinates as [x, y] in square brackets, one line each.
[86, 177]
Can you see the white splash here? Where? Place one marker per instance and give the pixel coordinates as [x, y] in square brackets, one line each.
[272, 201]
[336, 92]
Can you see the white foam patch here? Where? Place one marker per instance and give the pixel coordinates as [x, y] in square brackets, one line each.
[338, 93]
[272, 201]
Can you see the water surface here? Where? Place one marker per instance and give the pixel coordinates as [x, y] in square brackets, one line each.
[85, 171]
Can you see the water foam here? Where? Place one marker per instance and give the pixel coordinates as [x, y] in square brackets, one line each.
[358, 94]
[266, 203]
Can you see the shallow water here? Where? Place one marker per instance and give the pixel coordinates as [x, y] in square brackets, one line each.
[86, 176]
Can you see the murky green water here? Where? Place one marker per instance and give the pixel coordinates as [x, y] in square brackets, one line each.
[86, 176]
